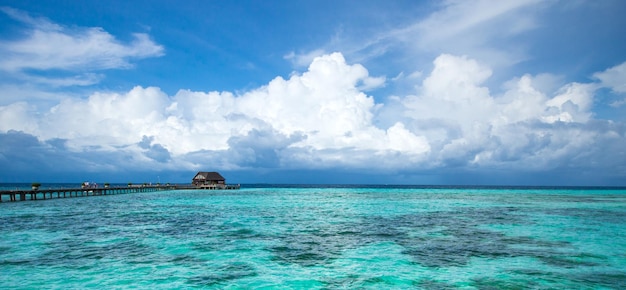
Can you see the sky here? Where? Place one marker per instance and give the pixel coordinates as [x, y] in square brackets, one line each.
[474, 92]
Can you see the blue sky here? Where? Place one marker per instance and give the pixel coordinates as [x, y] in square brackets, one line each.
[411, 92]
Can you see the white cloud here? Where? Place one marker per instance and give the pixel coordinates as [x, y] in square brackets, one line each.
[324, 103]
[88, 48]
[614, 78]
[324, 106]
[451, 100]
[572, 104]
[47, 46]
[18, 116]
[371, 83]
[474, 28]
[523, 128]
[522, 101]
[106, 119]
[303, 59]
[321, 118]
[85, 79]
[12, 93]
[27, 19]
[456, 18]
[481, 29]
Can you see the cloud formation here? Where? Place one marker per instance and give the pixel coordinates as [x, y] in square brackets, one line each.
[322, 119]
[46, 57]
[523, 128]
[484, 30]
[51, 46]
[475, 28]
[615, 79]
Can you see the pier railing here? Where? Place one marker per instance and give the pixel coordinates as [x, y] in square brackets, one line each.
[212, 186]
[41, 194]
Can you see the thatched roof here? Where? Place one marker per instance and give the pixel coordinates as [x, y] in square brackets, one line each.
[209, 176]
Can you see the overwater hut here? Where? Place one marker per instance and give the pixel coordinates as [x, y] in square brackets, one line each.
[208, 180]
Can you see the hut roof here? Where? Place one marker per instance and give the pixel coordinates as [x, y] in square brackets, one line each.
[211, 176]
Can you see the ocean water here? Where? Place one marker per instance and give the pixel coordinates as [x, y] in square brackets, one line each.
[319, 238]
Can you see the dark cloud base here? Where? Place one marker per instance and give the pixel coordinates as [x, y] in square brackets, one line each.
[24, 158]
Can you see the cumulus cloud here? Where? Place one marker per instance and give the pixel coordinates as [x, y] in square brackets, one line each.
[322, 111]
[18, 116]
[321, 118]
[523, 128]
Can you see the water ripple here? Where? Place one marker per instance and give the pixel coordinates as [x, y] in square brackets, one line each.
[317, 238]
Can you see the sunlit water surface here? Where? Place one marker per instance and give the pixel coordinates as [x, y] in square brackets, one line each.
[319, 238]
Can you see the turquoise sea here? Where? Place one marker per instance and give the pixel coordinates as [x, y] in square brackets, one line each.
[319, 237]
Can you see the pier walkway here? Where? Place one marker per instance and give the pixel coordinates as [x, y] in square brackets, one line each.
[37, 194]
[42, 194]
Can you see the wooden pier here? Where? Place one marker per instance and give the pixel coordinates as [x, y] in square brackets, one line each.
[214, 186]
[41, 194]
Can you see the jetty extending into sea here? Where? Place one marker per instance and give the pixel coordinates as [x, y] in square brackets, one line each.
[43, 194]
[202, 181]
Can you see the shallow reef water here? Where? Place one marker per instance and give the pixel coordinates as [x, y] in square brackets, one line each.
[320, 238]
